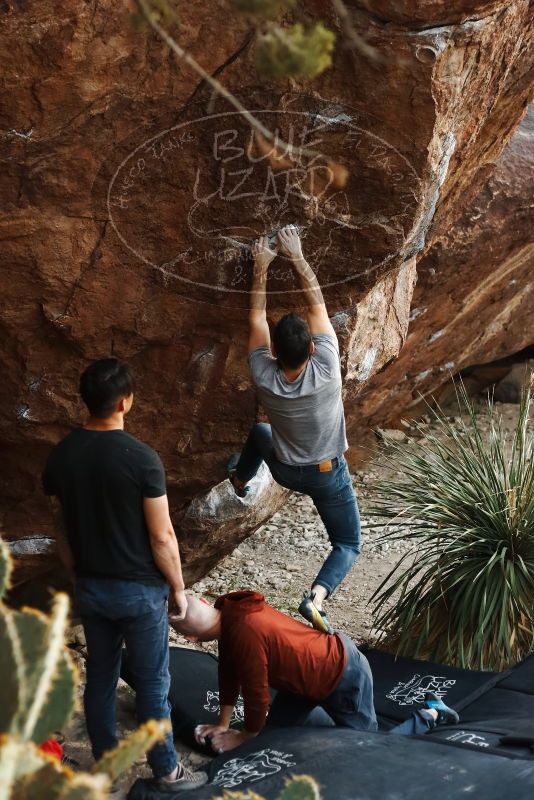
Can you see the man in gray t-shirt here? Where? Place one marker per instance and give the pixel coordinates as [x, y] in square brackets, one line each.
[298, 379]
[306, 414]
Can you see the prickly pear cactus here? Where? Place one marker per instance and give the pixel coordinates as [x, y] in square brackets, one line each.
[301, 787]
[130, 749]
[49, 781]
[37, 677]
[38, 683]
[5, 568]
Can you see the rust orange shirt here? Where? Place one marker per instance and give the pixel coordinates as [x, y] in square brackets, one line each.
[261, 648]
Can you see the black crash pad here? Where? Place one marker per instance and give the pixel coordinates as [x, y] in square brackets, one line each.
[400, 684]
[449, 762]
[500, 704]
[521, 677]
[505, 737]
[350, 765]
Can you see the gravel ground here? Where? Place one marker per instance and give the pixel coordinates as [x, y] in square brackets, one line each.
[280, 560]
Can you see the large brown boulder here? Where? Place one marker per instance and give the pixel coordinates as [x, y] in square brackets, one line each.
[131, 197]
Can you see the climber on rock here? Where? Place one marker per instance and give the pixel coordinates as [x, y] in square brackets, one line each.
[298, 379]
[261, 648]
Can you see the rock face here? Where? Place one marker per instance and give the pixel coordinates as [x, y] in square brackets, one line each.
[474, 298]
[132, 198]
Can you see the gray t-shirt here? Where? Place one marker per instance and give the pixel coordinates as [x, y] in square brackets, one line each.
[306, 415]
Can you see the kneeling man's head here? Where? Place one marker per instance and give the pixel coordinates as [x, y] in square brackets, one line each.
[202, 622]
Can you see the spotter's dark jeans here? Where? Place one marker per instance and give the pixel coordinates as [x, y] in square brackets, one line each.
[114, 612]
[332, 494]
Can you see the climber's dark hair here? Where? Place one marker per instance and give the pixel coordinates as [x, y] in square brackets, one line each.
[103, 384]
[291, 340]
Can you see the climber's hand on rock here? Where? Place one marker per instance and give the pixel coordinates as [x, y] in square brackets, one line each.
[262, 253]
[290, 243]
[177, 605]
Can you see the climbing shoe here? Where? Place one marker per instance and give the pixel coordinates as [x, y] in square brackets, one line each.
[241, 491]
[311, 613]
[446, 715]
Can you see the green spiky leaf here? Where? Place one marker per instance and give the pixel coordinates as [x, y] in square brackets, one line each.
[295, 52]
[32, 632]
[48, 704]
[133, 747]
[60, 701]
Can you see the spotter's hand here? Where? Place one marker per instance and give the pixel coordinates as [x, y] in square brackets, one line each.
[177, 605]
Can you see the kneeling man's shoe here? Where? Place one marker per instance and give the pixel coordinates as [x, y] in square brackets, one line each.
[446, 714]
[311, 613]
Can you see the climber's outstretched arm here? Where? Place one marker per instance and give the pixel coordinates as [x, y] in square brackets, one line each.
[259, 335]
[291, 246]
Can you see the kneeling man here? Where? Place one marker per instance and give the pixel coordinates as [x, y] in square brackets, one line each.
[259, 647]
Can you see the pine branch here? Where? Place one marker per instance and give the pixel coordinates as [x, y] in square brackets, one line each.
[294, 152]
[357, 41]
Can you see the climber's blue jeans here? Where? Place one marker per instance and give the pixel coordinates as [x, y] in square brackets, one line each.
[332, 494]
[114, 612]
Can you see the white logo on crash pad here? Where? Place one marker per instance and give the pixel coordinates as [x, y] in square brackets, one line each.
[212, 705]
[467, 737]
[413, 691]
[253, 767]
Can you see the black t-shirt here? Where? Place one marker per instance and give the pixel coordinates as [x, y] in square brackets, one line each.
[101, 478]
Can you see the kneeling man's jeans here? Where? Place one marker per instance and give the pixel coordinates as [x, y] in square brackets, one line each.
[113, 612]
[349, 706]
[332, 494]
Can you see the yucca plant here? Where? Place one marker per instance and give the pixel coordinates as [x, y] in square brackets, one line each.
[464, 593]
